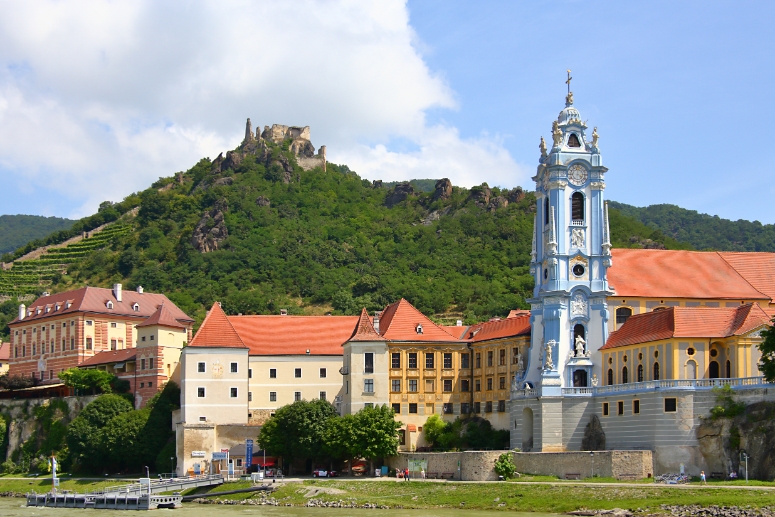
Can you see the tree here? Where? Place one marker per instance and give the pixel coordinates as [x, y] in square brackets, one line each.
[376, 433]
[297, 430]
[85, 380]
[123, 441]
[340, 438]
[434, 429]
[84, 439]
[767, 348]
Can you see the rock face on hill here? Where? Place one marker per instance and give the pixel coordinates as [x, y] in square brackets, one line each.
[399, 193]
[443, 190]
[722, 440]
[211, 229]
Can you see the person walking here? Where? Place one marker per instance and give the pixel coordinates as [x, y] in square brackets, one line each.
[702, 478]
[422, 474]
[406, 474]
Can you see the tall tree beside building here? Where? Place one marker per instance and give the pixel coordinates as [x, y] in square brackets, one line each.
[767, 348]
[84, 434]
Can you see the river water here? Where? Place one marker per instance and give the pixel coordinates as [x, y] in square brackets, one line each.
[14, 507]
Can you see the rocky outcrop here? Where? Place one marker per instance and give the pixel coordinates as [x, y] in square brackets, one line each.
[481, 195]
[721, 441]
[222, 182]
[262, 201]
[594, 436]
[647, 244]
[443, 190]
[696, 510]
[497, 202]
[376, 184]
[515, 195]
[211, 229]
[398, 194]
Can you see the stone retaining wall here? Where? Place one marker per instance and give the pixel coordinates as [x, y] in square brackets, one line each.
[616, 464]
[479, 465]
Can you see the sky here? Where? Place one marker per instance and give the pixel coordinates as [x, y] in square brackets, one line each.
[98, 99]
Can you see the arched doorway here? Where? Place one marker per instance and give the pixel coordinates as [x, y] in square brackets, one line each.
[580, 379]
[527, 430]
[713, 370]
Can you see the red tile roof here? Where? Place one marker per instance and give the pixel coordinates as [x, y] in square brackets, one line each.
[456, 331]
[518, 312]
[509, 327]
[688, 322]
[756, 267]
[364, 330]
[217, 332]
[294, 335]
[5, 351]
[162, 317]
[679, 274]
[110, 356]
[94, 300]
[399, 321]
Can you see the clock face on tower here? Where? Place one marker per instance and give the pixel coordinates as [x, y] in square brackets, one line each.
[577, 175]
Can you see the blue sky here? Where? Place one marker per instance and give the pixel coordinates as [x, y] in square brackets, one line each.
[99, 99]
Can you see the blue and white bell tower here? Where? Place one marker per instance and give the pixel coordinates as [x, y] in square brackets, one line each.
[570, 257]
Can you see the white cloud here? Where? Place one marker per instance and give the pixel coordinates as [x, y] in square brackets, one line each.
[98, 99]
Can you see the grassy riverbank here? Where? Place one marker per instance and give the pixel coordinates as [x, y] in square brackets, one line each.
[510, 496]
[516, 496]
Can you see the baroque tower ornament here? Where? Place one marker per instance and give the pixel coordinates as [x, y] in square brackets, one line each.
[595, 136]
[577, 238]
[542, 147]
[556, 134]
[578, 306]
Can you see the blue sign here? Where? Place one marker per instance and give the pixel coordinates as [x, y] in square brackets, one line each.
[219, 456]
[248, 454]
[197, 469]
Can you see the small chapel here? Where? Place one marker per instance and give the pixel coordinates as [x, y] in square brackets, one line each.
[634, 338]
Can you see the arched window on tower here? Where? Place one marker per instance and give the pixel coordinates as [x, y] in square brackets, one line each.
[610, 377]
[729, 369]
[577, 207]
[546, 210]
[625, 378]
[656, 371]
[573, 141]
[640, 373]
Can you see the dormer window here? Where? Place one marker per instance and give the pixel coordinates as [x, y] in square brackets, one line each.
[48, 309]
[418, 328]
[109, 304]
[573, 141]
[56, 307]
[136, 307]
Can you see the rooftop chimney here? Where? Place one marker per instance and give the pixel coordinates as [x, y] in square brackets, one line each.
[22, 311]
[46, 293]
[459, 323]
[140, 289]
[377, 314]
[283, 312]
[117, 292]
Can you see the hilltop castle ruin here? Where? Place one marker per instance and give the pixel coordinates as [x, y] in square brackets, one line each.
[299, 143]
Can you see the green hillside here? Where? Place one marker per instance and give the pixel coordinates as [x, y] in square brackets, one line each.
[703, 231]
[262, 234]
[18, 230]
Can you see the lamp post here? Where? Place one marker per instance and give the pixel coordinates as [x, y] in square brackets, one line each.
[172, 462]
[592, 458]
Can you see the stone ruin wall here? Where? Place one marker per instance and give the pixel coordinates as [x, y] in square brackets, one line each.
[299, 137]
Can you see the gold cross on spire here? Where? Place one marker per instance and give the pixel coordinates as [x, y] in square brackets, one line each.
[568, 81]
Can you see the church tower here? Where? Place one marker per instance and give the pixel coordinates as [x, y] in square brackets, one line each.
[571, 254]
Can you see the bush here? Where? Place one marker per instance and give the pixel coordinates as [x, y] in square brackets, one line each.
[504, 466]
[9, 467]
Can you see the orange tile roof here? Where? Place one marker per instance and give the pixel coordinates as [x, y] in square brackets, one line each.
[517, 312]
[508, 327]
[678, 274]
[688, 322]
[399, 321]
[456, 331]
[110, 356]
[757, 268]
[216, 331]
[5, 351]
[94, 300]
[162, 317]
[294, 335]
[364, 330]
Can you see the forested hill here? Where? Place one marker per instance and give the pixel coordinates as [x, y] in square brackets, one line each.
[258, 233]
[703, 231]
[18, 230]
